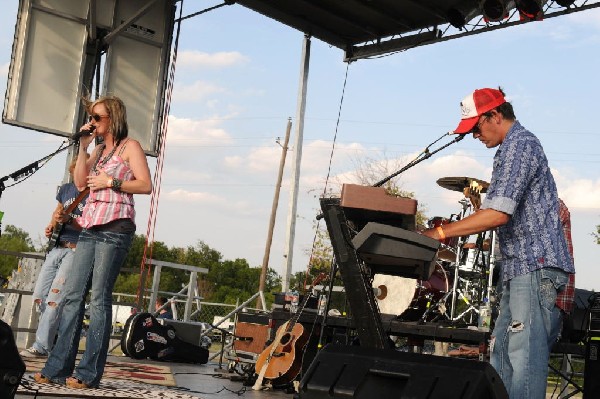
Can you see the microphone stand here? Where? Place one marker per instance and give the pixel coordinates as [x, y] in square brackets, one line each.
[426, 154]
[28, 171]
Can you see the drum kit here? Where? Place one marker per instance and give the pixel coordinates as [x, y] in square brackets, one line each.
[463, 279]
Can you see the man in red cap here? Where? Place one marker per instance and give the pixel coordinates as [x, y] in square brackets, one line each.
[522, 204]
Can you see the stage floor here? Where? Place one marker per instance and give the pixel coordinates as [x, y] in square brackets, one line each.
[177, 381]
[191, 381]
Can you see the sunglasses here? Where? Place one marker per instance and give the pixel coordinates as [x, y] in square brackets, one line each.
[97, 117]
[477, 128]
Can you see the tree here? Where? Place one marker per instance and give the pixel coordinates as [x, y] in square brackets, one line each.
[597, 234]
[17, 240]
[129, 278]
[171, 279]
[233, 280]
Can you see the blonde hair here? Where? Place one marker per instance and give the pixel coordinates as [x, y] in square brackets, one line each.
[116, 111]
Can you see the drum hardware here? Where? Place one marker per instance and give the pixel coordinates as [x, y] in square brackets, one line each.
[470, 264]
[492, 265]
[440, 306]
[471, 308]
[465, 206]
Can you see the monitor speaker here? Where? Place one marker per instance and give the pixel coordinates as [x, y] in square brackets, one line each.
[591, 382]
[12, 367]
[363, 373]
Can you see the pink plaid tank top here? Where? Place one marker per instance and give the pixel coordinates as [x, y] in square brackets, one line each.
[104, 206]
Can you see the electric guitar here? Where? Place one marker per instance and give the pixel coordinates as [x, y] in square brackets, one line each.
[278, 362]
[58, 227]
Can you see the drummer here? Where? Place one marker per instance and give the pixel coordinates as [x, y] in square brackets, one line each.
[522, 203]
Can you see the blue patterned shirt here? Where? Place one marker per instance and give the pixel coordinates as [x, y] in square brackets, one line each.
[523, 187]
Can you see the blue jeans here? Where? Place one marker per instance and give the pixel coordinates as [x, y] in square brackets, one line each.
[49, 289]
[526, 329]
[98, 259]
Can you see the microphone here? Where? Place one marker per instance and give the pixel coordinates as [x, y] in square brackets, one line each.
[86, 132]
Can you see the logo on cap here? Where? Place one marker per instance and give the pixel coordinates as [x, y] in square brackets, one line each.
[465, 110]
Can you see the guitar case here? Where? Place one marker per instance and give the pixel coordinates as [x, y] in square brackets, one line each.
[144, 337]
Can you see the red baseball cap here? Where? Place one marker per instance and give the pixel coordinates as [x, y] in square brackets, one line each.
[475, 104]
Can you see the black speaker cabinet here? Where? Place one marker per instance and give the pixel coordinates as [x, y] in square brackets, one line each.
[12, 367]
[591, 382]
[363, 373]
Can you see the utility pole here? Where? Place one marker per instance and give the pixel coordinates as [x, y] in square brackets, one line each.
[265, 262]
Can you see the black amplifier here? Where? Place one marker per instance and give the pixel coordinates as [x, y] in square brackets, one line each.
[595, 312]
[591, 382]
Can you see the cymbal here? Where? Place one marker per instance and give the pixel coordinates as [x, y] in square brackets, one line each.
[460, 183]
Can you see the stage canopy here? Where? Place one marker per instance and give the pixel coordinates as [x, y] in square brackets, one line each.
[365, 28]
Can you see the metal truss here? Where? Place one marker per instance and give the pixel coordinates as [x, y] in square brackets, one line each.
[476, 25]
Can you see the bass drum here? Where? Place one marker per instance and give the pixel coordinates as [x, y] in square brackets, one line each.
[409, 298]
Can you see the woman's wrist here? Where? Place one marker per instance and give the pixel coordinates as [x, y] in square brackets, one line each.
[116, 184]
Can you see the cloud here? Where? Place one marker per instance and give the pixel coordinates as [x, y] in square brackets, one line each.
[233, 161]
[184, 131]
[577, 192]
[199, 59]
[183, 176]
[198, 198]
[211, 201]
[197, 91]
[265, 159]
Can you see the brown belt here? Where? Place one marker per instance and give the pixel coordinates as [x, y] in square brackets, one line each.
[67, 244]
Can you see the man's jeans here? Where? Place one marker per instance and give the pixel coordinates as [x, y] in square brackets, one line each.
[527, 326]
[49, 289]
[97, 261]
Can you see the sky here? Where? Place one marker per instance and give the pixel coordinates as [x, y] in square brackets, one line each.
[236, 85]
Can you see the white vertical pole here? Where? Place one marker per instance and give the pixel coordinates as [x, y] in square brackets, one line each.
[293, 205]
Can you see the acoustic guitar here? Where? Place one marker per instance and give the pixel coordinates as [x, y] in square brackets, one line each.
[58, 227]
[281, 361]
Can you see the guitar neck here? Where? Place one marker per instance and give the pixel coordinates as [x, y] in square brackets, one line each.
[296, 316]
[294, 319]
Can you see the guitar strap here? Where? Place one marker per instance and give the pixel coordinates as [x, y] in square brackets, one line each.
[77, 200]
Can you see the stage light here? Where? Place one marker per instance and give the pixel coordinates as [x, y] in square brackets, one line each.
[495, 10]
[565, 3]
[459, 18]
[530, 10]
